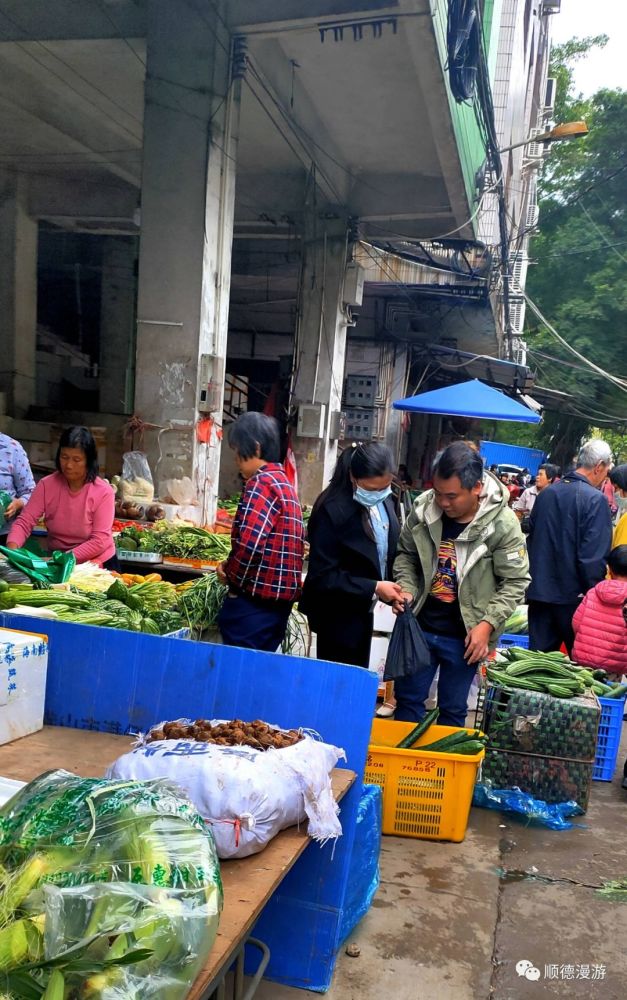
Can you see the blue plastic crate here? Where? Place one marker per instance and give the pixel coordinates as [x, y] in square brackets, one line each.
[513, 640]
[608, 742]
[162, 677]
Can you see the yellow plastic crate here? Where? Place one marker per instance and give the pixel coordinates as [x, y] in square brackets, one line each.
[425, 795]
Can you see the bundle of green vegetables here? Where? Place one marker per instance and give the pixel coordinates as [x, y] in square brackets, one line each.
[551, 673]
[201, 601]
[133, 539]
[147, 607]
[110, 889]
[189, 542]
[518, 621]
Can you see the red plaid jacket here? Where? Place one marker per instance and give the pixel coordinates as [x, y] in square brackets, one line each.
[267, 540]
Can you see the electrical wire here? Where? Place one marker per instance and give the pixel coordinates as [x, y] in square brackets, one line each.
[619, 383]
[581, 249]
[602, 234]
[23, 47]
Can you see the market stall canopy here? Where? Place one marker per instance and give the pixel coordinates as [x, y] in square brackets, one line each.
[469, 399]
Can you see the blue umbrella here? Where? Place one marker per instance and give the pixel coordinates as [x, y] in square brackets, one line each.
[469, 399]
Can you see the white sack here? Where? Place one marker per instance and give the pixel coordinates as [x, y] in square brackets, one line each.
[247, 795]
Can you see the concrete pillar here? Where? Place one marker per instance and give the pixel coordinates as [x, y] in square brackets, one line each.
[18, 296]
[117, 324]
[320, 350]
[188, 188]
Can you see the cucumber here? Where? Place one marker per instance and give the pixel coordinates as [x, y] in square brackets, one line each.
[559, 692]
[470, 747]
[618, 691]
[448, 742]
[424, 724]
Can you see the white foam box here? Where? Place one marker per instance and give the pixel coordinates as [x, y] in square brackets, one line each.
[181, 512]
[384, 617]
[23, 668]
[8, 788]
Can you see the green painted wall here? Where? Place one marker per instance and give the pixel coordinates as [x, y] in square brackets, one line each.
[470, 146]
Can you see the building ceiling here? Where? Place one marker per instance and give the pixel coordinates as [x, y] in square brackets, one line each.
[353, 105]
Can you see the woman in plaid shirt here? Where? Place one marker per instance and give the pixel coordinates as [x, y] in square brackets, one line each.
[264, 568]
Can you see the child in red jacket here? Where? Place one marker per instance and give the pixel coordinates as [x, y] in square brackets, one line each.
[599, 621]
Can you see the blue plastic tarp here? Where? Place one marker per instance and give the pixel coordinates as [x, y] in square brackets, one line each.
[363, 877]
[469, 399]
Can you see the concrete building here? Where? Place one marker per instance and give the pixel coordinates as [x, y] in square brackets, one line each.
[211, 205]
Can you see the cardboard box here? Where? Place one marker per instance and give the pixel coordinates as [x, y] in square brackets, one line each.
[23, 668]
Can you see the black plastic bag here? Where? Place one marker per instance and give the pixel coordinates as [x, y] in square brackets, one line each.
[408, 652]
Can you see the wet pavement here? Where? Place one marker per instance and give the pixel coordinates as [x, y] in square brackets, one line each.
[452, 921]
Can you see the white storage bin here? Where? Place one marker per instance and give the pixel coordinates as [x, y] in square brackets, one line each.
[23, 667]
[8, 788]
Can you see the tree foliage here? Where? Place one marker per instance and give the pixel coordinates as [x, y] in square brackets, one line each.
[579, 260]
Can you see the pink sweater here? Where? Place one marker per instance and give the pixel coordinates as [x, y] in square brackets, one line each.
[600, 630]
[80, 522]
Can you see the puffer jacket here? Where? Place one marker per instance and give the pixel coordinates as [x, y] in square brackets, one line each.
[492, 565]
[600, 628]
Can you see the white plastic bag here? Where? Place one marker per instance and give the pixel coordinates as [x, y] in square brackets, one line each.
[136, 484]
[247, 795]
[180, 490]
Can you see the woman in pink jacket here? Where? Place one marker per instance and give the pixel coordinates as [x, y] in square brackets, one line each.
[599, 621]
[77, 505]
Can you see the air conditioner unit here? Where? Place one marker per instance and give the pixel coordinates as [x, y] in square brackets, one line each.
[518, 264]
[517, 309]
[549, 98]
[535, 152]
[519, 351]
[532, 216]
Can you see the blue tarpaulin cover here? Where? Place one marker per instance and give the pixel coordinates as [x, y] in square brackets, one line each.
[469, 399]
[363, 879]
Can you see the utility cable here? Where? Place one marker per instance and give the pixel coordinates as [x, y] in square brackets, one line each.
[607, 242]
[619, 383]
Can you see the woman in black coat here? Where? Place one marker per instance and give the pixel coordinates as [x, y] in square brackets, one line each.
[353, 531]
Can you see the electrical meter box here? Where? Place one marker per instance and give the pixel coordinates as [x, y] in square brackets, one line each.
[354, 284]
[311, 420]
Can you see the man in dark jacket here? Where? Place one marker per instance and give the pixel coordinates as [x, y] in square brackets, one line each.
[570, 536]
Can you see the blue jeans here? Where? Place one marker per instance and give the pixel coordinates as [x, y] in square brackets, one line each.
[454, 682]
[253, 624]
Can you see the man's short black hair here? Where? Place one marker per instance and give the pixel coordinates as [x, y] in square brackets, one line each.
[617, 561]
[618, 476]
[252, 431]
[83, 439]
[461, 461]
[551, 471]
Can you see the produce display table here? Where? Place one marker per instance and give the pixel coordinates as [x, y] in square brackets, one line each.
[109, 681]
[248, 883]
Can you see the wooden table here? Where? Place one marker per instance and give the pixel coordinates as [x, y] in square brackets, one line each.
[248, 883]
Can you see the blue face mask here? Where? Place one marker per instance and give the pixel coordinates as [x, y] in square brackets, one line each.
[370, 498]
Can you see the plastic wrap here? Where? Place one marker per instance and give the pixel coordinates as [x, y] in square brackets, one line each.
[247, 795]
[516, 801]
[56, 568]
[117, 882]
[363, 879]
[136, 484]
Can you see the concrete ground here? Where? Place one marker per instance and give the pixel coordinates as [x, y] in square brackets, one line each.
[451, 921]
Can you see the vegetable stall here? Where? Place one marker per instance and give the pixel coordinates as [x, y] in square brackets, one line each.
[104, 684]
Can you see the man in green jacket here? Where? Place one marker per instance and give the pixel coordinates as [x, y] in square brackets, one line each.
[462, 563]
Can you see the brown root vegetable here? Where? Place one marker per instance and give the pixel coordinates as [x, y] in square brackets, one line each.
[155, 513]
[257, 734]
